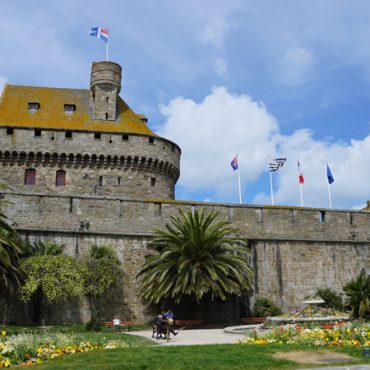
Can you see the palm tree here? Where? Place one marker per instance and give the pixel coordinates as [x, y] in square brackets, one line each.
[196, 255]
[46, 248]
[358, 293]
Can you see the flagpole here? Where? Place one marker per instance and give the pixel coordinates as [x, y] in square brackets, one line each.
[300, 190]
[106, 52]
[240, 194]
[271, 190]
[329, 195]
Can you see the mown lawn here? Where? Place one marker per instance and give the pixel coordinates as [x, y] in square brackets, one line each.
[228, 356]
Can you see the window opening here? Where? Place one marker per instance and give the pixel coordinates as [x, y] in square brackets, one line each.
[69, 108]
[100, 181]
[30, 177]
[68, 134]
[125, 137]
[152, 181]
[107, 99]
[119, 181]
[37, 132]
[33, 106]
[322, 216]
[173, 147]
[60, 179]
[9, 130]
[151, 140]
[97, 136]
[106, 115]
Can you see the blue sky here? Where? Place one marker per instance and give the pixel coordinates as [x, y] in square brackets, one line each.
[259, 78]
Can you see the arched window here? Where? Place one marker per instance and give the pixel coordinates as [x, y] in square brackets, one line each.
[60, 179]
[30, 177]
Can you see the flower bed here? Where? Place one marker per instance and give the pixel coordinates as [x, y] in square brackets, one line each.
[25, 349]
[339, 334]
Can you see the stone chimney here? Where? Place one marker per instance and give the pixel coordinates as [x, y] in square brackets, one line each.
[105, 85]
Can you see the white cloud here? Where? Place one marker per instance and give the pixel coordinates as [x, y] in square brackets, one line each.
[212, 131]
[220, 66]
[215, 31]
[296, 67]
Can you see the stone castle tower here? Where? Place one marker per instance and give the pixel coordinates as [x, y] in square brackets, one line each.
[83, 142]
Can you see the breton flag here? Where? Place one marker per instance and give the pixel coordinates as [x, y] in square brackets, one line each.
[100, 32]
[276, 163]
[330, 176]
[300, 174]
[234, 163]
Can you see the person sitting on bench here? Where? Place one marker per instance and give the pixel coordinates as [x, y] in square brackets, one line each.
[116, 322]
[159, 327]
[170, 319]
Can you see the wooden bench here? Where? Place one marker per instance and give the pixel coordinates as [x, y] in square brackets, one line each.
[125, 324]
[252, 320]
[187, 323]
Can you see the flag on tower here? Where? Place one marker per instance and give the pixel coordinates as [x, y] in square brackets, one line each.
[100, 32]
[329, 175]
[276, 163]
[234, 163]
[300, 174]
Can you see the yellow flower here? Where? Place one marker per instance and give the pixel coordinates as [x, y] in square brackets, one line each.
[3, 333]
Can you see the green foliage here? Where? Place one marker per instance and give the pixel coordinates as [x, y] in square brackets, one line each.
[46, 248]
[332, 299]
[93, 325]
[11, 248]
[264, 307]
[358, 295]
[103, 274]
[195, 255]
[56, 277]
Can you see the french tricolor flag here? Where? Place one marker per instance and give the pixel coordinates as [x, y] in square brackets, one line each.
[100, 32]
[300, 174]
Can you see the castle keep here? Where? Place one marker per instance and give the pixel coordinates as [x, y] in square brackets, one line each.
[82, 168]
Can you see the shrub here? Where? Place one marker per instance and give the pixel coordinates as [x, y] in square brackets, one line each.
[93, 325]
[332, 299]
[264, 307]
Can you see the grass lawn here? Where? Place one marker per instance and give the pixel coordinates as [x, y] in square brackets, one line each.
[226, 356]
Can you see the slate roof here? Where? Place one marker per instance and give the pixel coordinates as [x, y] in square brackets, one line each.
[14, 111]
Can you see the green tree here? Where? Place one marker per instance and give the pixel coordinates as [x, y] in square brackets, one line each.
[51, 278]
[358, 295]
[103, 275]
[196, 255]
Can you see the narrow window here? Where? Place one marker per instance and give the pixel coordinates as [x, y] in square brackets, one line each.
[322, 216]
[124, 137]
[351, 218]
[292, 215]
[33, 106]
[106, 115]
[119, 181]
[68, 134]
[30, 177]
[152, 181]
[97, 136]
[100, 180]
[107, 99]
[9, 131]
[173, 147]
[151, 140]
[60, 179]
[69, 108]
[37, 132]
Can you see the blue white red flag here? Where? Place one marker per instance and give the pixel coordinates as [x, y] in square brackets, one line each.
[330, 176]
[300, 174]
[234, 163]
[100, 32]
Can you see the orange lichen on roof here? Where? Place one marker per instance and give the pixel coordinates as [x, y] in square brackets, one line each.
[50, 115]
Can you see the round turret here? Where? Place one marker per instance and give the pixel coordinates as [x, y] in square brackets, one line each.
[106, 74]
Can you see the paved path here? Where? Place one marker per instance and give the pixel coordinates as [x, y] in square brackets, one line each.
[192, 337]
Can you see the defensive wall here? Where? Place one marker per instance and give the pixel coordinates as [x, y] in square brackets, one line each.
[294, 250]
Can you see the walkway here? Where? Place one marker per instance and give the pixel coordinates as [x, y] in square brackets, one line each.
[193, 337]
